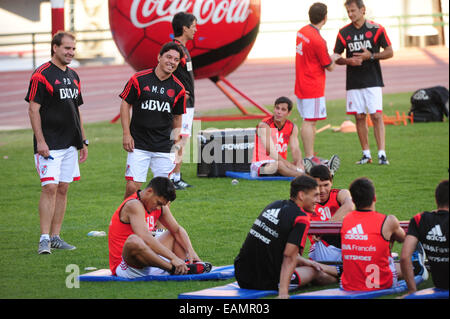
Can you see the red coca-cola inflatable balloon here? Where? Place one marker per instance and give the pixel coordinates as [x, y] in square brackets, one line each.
[227, 30]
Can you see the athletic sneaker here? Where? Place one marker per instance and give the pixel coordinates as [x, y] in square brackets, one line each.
[317, 160]
[195, 268]
[184, 183]
[333, 164]
[364, 160]
[178, 185]
[199, 268]
[418, 261]
[58, 243]
[382, 160]
[44, 247]
[308, 164]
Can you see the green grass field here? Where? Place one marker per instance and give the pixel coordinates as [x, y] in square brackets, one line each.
[216, 214]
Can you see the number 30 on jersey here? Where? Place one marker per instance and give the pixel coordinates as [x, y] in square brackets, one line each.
[324, 213]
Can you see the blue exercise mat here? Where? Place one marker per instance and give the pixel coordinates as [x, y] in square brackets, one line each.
[230, 291]
[246, 175]
[338, 293]
[217, 273]
[430, 293]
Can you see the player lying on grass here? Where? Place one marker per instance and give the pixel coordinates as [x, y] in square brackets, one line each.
[135, 252]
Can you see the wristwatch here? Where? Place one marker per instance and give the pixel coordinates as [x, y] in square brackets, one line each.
[372, 57]
[86, 142]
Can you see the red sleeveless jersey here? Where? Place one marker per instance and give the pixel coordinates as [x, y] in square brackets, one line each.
[365, 253]
[324, 211]
[120, 231]
[280, 138]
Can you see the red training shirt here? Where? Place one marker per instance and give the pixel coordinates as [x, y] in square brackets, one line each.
[311, 60]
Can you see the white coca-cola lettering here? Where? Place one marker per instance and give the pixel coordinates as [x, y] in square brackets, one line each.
[144, 13]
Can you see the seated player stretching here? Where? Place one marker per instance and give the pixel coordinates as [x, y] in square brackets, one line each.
[274, 135]
[334, 204]
[134, 252]
[429, 229]
[366, 238]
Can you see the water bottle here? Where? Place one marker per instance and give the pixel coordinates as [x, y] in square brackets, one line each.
[96, 233]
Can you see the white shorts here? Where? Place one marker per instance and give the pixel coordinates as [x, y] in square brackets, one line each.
[320, 252]
[312, 109]
[187, 119]
[365, 101]
[62, 168]
[126, 271]
[139, 161]
[255, 167]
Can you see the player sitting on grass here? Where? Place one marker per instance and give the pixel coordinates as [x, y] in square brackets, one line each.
[334, 204]
[274, 135]
[270, 257]
[431, 230]
[134, 252]
[367, 237]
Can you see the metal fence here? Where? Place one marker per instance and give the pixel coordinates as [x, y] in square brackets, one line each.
[32, 43]
[21, 44]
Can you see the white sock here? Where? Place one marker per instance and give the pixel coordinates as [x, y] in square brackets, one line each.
[381, 153]
[44, 236]
[367, 153]
[176, 177]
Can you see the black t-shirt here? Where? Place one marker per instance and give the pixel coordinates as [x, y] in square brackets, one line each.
[185, 73]
[155, 103]
[371, 36]
[431, 229]
[258, 264]
[59, 94]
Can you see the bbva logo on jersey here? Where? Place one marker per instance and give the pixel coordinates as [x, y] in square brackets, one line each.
[281, 146]
[155, 105]
[68, 93]
[359, 45]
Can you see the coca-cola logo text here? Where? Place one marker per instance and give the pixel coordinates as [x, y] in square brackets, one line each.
[227, 30]
[143, 12]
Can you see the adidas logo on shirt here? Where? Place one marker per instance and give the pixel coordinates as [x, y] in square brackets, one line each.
[435, 234]
[356, 233]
